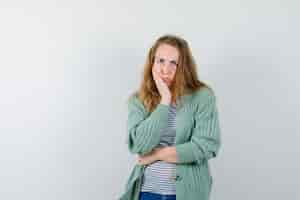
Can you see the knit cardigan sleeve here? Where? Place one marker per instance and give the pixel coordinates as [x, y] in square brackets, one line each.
[143, 130]
[205, 140]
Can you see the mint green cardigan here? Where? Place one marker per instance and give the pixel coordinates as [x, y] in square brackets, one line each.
[197, 140]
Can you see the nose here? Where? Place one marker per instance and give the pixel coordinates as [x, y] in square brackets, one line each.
[165, 69]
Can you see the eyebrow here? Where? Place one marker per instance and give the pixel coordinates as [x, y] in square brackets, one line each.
[167, 59]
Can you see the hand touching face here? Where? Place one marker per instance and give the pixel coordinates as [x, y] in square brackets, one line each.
[162, 87]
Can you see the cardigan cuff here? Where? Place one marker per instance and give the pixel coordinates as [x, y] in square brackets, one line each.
[186, 152]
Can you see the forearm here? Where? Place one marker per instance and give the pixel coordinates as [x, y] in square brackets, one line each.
[167, 154]
[143, 132]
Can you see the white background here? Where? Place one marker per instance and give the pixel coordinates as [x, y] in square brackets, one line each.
[67, 68]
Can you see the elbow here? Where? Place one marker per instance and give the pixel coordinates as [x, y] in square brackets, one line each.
[196, 152]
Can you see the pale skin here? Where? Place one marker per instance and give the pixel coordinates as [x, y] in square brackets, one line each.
[163, 70]
[167, 154]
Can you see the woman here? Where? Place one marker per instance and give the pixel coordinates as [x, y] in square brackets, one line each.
[173, 127]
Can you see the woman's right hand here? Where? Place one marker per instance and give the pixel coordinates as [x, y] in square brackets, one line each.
[162, 88]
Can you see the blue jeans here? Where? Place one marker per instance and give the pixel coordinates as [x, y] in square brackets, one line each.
[154, 196]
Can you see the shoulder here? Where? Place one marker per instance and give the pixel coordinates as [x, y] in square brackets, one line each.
[203, 95]
[133, 99]
[204, 99]
[134, 102]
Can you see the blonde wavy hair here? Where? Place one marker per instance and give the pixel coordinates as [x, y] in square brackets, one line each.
[185, 80]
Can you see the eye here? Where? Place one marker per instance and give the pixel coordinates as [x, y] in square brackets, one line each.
[161, 60]
[173, 63]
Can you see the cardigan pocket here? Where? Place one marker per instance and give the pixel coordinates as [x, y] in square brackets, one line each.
[199, 179]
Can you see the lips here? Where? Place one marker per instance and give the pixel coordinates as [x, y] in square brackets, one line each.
[165, 79]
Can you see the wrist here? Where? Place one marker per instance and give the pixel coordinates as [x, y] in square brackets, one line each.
[165, 101]
[161, 153]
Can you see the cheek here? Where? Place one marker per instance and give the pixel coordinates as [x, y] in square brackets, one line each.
[173, 74]
[155, 67]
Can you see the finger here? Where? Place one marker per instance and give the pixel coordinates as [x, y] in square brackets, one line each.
[157, 79]
[155, 74]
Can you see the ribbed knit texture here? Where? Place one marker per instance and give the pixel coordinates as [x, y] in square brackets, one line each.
[158, 176]
[197, 140]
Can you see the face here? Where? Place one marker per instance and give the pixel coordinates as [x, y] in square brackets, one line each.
[165, 62]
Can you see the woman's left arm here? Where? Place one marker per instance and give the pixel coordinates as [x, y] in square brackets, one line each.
[204, 144]
[206, 140]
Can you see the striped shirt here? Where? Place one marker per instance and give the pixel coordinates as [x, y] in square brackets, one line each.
[157, 177]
